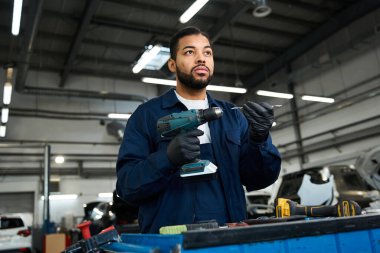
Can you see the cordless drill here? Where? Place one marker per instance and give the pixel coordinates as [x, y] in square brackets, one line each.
[182, 122]
[286, 208]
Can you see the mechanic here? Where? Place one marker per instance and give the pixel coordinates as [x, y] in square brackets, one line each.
[238, 144]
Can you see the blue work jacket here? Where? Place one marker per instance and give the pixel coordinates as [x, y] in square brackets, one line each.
[147, 178]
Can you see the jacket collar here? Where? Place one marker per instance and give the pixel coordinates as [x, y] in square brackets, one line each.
[169, 99]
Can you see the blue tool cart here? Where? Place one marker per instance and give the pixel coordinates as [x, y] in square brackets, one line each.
[358, 234]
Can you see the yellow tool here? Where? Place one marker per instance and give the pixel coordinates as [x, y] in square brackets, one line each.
[287, 207]
[178, 229]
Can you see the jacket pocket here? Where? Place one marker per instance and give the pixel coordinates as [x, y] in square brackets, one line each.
[233, 136]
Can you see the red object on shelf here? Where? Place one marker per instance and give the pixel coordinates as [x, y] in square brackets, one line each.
[85, 229]
[107, 229]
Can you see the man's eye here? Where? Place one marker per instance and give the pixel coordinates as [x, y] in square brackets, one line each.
[208, 53]
[189, 52]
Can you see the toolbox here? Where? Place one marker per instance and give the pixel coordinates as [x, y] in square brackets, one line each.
[357, 234]
[336, 235]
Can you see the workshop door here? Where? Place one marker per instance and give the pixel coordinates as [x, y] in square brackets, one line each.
[18, 202]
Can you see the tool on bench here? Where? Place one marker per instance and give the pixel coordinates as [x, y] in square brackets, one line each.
[108, 240]
[94, 244]
[178, 229]
[182, 122]
[286, 207]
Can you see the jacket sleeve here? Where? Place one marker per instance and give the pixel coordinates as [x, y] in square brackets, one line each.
[260, 163]
[142, 169]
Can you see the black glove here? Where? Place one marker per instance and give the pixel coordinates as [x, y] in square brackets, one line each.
[185, 148]
[260, 118]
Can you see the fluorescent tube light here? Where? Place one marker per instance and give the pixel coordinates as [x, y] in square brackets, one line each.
[159, 81]
[318, 99]
[119, 115]
[274, 94]
[146, 57]
[9, 73]
[3, 129]
[226, 89]
[17, 8]
[59, 159]
[192, 10]
[7, 94]
[61, 197]
[209, 87]
[4, 115]
[105, 195]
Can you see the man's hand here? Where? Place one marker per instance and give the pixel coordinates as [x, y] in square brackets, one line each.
[260, 118]
[185, 148]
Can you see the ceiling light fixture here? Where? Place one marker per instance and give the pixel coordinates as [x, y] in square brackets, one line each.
[192, 10]
[61, 197]
[274, 94]
[17, 8]
[105, 195]
[150, 53]
[4, 114]
[209, 87]
[318, 99]
[59, 159]
[3, 129]
[7, 94]
[261, 9]
[119, 115]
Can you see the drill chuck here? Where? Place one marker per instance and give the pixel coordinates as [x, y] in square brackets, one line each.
[210, 114]
[176, 123]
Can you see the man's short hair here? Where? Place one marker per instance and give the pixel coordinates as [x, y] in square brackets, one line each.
[190, 30]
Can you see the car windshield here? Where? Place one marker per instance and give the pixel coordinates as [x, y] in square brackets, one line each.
[350, 181]
[346, 179]
[11, 223]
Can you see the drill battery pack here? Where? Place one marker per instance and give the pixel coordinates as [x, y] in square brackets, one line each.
[200, 167]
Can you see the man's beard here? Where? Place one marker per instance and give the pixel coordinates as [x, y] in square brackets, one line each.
[189, 81]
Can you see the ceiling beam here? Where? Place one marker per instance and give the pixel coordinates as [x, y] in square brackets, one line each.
[306, 6]
[293, 20]
[234, 10]
[342, 19]
[159, 31]
[154, 30]
[117, 62]
[88, 13]
[117, 23]
[44, 142]
[261, 48]
[175, 12]
[33, 19]
[270, 31]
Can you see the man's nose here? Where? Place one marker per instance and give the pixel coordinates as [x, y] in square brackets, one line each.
[200, 58]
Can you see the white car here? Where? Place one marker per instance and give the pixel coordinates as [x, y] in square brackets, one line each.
[257, 203]
[15, 235]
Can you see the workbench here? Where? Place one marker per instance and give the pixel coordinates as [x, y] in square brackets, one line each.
[341, 235]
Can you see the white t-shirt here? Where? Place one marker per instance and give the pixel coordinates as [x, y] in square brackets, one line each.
[198, 104]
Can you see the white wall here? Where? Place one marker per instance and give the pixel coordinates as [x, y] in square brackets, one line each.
[22, 184]
[87, 190]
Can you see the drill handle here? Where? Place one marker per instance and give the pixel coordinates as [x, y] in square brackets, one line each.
[341, 209]
[315, 211]
[286, 207]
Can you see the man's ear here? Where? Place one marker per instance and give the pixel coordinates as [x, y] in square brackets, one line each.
[172, 66]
